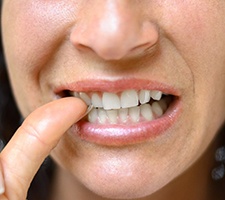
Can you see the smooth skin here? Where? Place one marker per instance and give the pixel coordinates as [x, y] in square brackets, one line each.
[33, 142]
[180, 43]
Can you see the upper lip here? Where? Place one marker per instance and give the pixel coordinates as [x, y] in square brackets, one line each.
[115, 86]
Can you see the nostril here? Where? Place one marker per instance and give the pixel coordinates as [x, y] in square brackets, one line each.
[83, 48]
[143, 49]
[128, 37]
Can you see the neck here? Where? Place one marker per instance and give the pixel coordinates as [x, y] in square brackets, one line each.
[195, 183]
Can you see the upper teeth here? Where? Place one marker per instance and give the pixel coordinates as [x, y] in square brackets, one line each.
[125, 99]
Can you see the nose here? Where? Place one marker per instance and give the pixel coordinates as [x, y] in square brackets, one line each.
[113, 30]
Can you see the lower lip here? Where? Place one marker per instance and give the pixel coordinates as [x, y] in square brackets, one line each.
[120, 135]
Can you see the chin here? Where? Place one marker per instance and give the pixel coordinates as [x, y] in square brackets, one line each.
[123, 188]
[122, 179]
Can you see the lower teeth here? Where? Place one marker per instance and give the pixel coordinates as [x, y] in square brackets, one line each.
[145, 112]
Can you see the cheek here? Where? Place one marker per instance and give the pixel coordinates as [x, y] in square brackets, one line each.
[191, 20]
[32, 31]
[196, 29]
[36, 28]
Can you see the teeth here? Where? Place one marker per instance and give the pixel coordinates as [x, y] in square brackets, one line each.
[123, 114]
[102, 116]
[96, 101]
[144, 96]
[110, 101]
[76, 94]
[156, 108]
[134, 113]
[85, 98]
[112, 115]
[146, 112]
[129, 98]
[163, 105]
[129, 106]
[156, 95]
[93, 116]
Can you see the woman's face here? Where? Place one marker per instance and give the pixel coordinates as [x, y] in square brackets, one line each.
[119, 51]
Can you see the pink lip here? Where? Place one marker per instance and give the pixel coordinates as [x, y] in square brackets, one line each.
[120, 135]
[92, 85]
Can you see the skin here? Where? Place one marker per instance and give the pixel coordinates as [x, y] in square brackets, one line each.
[180, 43]
[38, 135]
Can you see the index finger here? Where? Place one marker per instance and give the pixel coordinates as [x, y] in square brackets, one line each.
[34, 140]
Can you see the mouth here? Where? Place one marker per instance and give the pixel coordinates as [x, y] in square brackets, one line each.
[126, 107]
[125, 116]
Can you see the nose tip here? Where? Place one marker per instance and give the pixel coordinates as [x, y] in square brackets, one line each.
[114, 35]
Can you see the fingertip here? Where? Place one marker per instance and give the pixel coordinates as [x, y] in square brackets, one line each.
[78, 103]
[77, 107]
[67, 108]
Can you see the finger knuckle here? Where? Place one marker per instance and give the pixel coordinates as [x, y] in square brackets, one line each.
[32, 131]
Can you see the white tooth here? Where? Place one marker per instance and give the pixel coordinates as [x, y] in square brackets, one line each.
[144, 96]
[112, 116]
[96, 100]
[110, 101]
[129, 98]
[93, 116]
[163, 104]
[102, 116]
[146, 112]
[85, 98]
[76, 94]
[123, 114]
[157, 109]
[156, 95]
[134, 113]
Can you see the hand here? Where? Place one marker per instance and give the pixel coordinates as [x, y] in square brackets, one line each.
[32, 143]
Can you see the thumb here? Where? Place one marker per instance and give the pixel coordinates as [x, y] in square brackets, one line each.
[34, 140]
